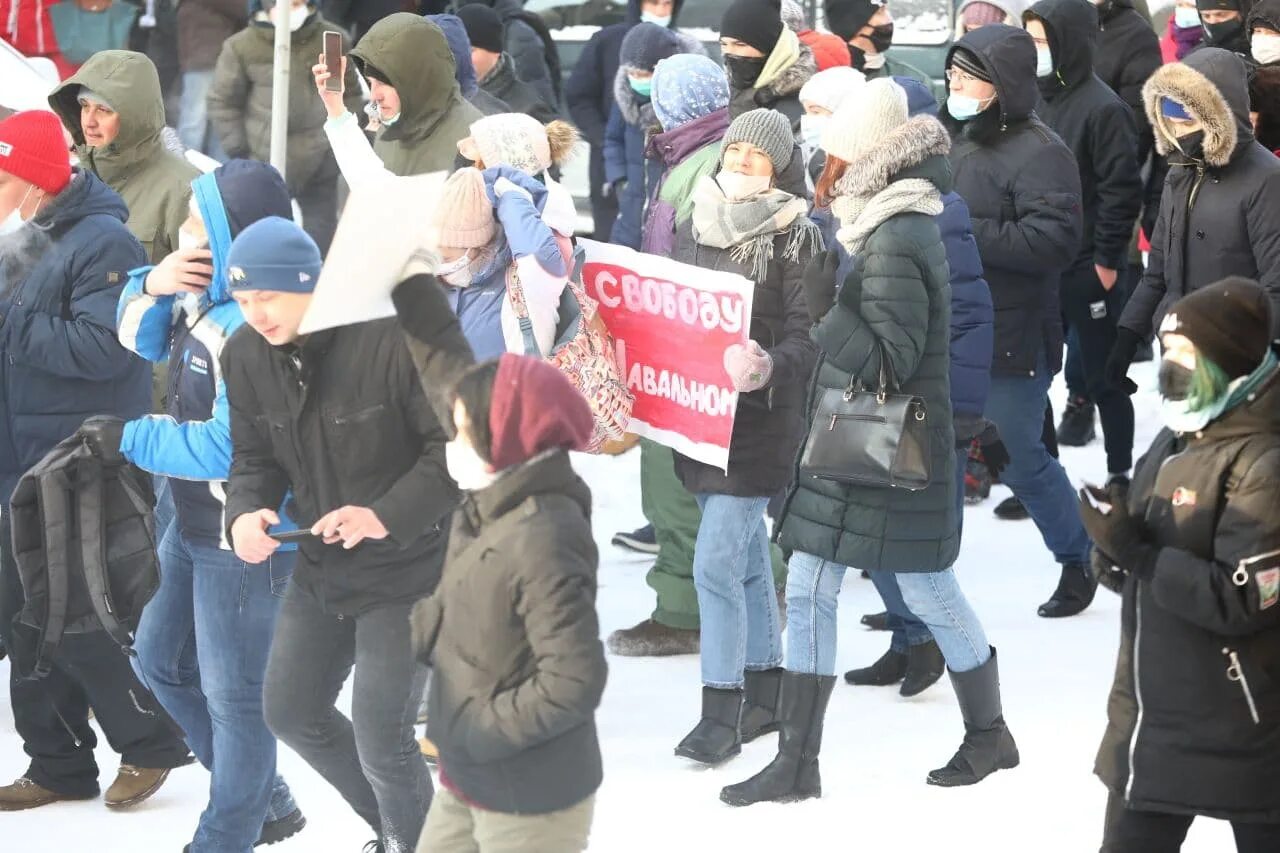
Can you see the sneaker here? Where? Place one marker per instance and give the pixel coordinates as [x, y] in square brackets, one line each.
[642, 541]
[275, 831]
[133, 785]
[26, 794]
[374, 846]
[1011, 509]
[653, 639]
[1077, 428]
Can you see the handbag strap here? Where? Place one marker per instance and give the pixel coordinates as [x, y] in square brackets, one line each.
[888, 381]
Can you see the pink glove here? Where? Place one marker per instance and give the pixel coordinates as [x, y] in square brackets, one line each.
[749, 367]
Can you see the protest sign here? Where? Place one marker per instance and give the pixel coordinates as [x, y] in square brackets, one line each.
[673, 322]
[382, 228]
[25, 82]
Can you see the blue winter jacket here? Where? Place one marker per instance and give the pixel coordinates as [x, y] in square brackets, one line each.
[60, 361]
[624, 160]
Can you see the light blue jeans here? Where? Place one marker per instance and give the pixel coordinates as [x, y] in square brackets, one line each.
[193, 122]
[935, 598]
[734, 578]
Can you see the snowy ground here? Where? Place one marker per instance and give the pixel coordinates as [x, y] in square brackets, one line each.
[877, 750]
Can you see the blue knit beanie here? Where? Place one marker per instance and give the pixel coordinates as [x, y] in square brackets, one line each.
[920, 101]
[687, 87]
[645, 45]
[273, 254]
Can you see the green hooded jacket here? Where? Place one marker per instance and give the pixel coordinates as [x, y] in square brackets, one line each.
[411, 54]
[154, 182]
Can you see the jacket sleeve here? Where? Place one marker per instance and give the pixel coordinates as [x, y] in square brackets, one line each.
[1262, 216]
[1141, 64]
[1041, 225]
[256, 480]
[356, 158]
[191, 450]
[583, 92]
[615, 148]
[527, 234]
[436, 344]
[557, 609]
[425, 494]
[892, 311]
[795, 354]
[228, 99]
[81, 342]
[144, 323]
[1202, 591]
[1139, 312]
[1114, 147]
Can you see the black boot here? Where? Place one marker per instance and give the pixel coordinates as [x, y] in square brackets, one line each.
[760, 703]
[793, 773]
[1075, 592]
[890, 669]
[717, 736]
[1011, 509]
[1076, 428]
[876, 621]
[988, 746]
[925, 666]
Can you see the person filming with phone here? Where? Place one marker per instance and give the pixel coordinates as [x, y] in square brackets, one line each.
[1194, 549]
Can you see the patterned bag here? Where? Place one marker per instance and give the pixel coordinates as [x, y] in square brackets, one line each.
[584, 352]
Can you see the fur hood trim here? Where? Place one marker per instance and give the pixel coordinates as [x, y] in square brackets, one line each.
[634, 112]
[1202, 99]
[792, 79]
[909, 145]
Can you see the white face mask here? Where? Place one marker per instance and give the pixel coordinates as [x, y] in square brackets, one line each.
[297, 17]
[456, 273]
[14, 220]
[467, 469]
[660, 20]
[1044, 62]
[1266, 49]
[1186, 17]
[737, 187]
[873, 61]
[811, 127]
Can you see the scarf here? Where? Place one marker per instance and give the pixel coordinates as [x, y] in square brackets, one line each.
[859, 215]
[1182, 420]
[784, 55]
[749, 227]
[488, 260]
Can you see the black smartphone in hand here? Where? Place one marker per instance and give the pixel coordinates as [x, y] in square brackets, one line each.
[333, 60]
[292, 535]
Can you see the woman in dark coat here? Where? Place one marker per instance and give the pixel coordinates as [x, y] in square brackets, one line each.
[884, 179]
[747, 220]
[1194, 714]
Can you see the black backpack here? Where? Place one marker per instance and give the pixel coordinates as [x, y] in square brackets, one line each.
[84, 540]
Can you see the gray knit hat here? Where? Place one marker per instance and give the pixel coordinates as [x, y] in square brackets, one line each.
[768, 130]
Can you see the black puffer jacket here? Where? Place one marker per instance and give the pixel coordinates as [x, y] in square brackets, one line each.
[1128, 54]
[1022, 186]
[1097, 126]
[503, 84]
[1220, 213]
[1185, 735]
[342, 420]
[770, 423]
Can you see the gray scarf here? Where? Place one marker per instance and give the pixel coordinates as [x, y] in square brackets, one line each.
[859, 215]
[749, 228]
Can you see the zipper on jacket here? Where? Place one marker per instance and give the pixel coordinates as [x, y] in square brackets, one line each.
[1137, 693]
[1195, 190]
[1235, 672]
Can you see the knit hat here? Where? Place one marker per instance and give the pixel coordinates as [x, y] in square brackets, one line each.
[865, 119]
[1229, 322]
[1223, 5]
[920, 99]
[484, 27]
[645, 45]
[754, 22]
[33, 148]
[534, 409]
[1169, 108]
[87, 94]
[979, 14]
[273, 254]
[514, 139]
[768, 130]
[829, 50]
[792, 16]
[687, 87]
[829, 88]
[463, 213]
[455, 33]
[966, 61]
[846, 17]
[251, 190]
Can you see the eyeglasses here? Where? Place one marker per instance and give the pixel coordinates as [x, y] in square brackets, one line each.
[960, 78]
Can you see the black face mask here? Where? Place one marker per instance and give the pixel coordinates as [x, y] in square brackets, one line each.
[743, 71]
[1192, 145]
[882, 37]
[1220, 35]
[1174, 381]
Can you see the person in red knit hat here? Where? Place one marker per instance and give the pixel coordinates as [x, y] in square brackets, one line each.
[65, 255]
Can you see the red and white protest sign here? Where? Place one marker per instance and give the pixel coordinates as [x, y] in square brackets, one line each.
[673, 322]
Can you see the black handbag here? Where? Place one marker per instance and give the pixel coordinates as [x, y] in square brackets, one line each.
[870, 438]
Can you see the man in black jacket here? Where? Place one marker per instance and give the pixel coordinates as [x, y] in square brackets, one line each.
[338, 421]
[495, 68]
[1099, 129]
[1022, 186]
[1224, 25]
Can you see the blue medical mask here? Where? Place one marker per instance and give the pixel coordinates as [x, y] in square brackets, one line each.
[643, 88]
[1186, 17]
[1044, 61]
[650, 18]
[965, 107]
[811, 127]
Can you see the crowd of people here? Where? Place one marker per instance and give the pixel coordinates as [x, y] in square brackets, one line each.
[393, 501]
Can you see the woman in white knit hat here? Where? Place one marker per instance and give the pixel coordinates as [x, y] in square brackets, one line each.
[884, 179]
[821, 97]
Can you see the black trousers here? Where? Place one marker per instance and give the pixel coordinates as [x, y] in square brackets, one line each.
[1129, 831]
[51, 714]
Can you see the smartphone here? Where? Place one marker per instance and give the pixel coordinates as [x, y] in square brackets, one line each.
[333, 60]
[292, 535]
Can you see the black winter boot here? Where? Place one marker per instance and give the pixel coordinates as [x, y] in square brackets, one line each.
[760, 703]
[925, 666]
[890, 669]
[717, 736]
[988, 746]
[1076, 428]
[1011, 509]
[793, 773]
[1075, 592]
[876, 621]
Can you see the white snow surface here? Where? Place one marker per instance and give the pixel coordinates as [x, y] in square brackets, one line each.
[877, 747]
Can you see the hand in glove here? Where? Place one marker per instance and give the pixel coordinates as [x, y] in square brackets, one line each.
[103, 434]
[1122, 354]
[500, 180]
[994, 453]
[1107, 573]
[749, 367]
[819, 283]
[1117, 533]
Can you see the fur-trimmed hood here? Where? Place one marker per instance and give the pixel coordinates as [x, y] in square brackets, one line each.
[792, 79]
[907, 147]
[634, 110]
[1212, 84]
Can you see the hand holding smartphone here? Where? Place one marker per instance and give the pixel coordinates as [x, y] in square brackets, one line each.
[333, 60]
[292, 535]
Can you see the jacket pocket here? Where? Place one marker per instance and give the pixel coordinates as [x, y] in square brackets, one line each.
[367, 438]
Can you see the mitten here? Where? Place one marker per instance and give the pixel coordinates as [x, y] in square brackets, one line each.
[749, 367]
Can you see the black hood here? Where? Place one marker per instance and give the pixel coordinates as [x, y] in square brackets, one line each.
[1265, 13]
[633, 11]
[1072, 27]
[1009, 56]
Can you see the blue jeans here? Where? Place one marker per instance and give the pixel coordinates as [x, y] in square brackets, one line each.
[736, 599]
[813, 591]
[202, 648]
[193, 121]
[1016, 406]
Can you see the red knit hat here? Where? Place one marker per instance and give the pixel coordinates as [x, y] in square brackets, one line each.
[534, 409]
[829, 51]
[33, 148]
